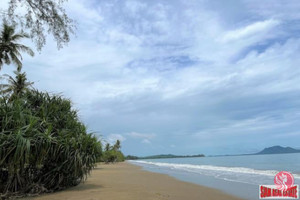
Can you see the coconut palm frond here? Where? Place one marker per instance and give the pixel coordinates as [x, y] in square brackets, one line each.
[16, 60]
[17, 86]
[19, 36]
[10, 49]
[25, 49]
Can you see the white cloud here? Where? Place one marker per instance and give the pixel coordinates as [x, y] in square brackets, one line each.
[141, 135]
[144, 138]
[112, 138]
[146, 141]
[251, 30]
[143, 65]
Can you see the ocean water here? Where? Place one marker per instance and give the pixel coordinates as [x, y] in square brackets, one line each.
[237, 175]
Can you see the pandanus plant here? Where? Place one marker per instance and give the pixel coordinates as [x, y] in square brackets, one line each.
[43, 145]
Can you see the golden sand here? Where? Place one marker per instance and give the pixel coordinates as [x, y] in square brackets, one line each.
[124, 181]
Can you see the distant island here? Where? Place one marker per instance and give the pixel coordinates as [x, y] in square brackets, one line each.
[269, 150]
[278, 150]
[161, 156]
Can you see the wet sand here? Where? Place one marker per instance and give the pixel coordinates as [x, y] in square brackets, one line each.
[124, 181]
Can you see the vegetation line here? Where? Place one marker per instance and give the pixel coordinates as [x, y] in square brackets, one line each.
[44, 147]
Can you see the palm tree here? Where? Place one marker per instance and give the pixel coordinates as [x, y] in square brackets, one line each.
[107, 147]
[117, 146]
[17, 86]
[10, 49]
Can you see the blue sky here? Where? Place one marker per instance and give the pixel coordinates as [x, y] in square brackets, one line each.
[181, 77]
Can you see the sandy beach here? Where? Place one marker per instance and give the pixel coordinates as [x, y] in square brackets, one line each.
[124, 181]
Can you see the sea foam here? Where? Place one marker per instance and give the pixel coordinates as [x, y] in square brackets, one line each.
[237, 174]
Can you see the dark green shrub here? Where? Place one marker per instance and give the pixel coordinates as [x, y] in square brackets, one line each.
[43, 145]
[112, 153]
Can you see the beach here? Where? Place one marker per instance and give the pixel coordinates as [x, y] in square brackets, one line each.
[124, 181]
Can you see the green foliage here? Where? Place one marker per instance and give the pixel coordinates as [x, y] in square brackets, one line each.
[130, 157]
[16, 87]
[112, 154]
[107, 147]
[43, 145]
[10, 49]
[117, 146]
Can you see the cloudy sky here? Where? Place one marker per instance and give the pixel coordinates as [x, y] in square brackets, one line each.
[178, 76]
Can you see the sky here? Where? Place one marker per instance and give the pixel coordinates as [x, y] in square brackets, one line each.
[180, 77]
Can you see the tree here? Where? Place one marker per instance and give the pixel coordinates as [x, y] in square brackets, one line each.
[10, 49]
[107, 147]
[113, 154]
[41, 17]
[17, 86]
[117, 146]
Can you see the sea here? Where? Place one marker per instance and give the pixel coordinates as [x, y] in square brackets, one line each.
[236, 175]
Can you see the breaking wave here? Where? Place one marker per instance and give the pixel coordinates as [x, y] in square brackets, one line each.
[237, 174]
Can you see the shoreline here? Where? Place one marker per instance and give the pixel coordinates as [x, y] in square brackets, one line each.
[126, 181]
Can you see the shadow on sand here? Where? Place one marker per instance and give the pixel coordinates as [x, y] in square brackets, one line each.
[84, 186]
